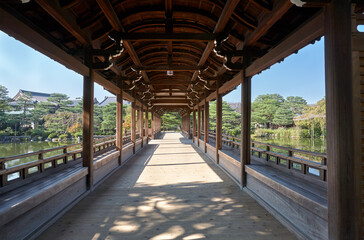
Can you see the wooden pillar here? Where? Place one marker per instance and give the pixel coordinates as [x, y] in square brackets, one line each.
[193, 125]
[140, 124]
[119, 124]
[206, 120]
[133, 125]
[198, 124]
[188, 123]
[152, 125]
[88, 126]
[218, 124]
[245, 126]
[146, 123]
[343, 193]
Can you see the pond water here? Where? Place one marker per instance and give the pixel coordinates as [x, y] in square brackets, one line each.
[10, 149]
[316, 145]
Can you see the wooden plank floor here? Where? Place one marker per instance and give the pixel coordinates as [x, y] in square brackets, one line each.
[169, 190]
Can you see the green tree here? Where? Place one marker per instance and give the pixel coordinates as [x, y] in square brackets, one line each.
[230, 119]
[24, 104]
[313, 118]
[108, 124]
[4, 107]
[59, 102]
[296, 104]
[264, 108]
[283, 115]
[172, 120]
[62, 122]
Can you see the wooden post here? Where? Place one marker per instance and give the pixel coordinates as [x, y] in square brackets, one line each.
[343, 194]
[140, 124]
[198, 125]
[189, 123]
[147, 123]
[153, 125]
[193, 125]
[206, 118]
[88, 127]
[133, 125]
[245, 126]
[218, 135]
[119, 125]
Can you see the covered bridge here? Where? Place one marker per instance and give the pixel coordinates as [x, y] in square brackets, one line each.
[177, 55]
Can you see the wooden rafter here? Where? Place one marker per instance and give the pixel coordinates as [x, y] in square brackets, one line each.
[220, 25]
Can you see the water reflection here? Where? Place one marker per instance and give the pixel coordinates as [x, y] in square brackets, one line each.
[316, 145]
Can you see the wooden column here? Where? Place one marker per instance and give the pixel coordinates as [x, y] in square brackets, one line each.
[206, 120]
[133, 125]
[343, 194]
[152, 125]
[88, 126]
[140, 124]
[218, 124]
[188, 123]
[245, 126]
[193, 125]
[119, 125]
[146, 123]
[198, 124]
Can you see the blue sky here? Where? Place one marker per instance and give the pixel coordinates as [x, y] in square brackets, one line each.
[21, 67]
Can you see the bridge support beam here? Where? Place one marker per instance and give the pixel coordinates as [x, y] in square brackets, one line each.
[343, 192]
[88, 126]
[245, 126]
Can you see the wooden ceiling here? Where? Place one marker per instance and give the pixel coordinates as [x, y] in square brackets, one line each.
[157, 36]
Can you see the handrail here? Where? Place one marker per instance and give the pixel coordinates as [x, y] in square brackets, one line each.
[64, 154]
[295, 159]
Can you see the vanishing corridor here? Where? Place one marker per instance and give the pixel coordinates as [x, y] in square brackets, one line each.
[169, 190]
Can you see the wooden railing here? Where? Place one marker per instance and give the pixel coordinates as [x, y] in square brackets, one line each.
[309, 163]
[48, 158]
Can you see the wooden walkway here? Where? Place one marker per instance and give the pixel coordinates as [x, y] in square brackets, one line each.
[169, 190]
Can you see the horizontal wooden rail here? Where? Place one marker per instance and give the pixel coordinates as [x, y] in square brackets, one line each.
[309, 163]
[48, 158]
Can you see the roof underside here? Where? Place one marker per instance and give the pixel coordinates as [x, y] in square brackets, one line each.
[180, 35]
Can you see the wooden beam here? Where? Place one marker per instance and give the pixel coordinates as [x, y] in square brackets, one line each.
[168, 68]
[156, 101]
[344, 207]
[245, 126]
[186, 37]
[309, 31]
[113, 19]
[225, 16]
[88, 126]
[218, 124]
[279, 9]
[53, 8]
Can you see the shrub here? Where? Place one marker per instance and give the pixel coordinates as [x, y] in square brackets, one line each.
[63, 137]
[52, 135]
[78, 134]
